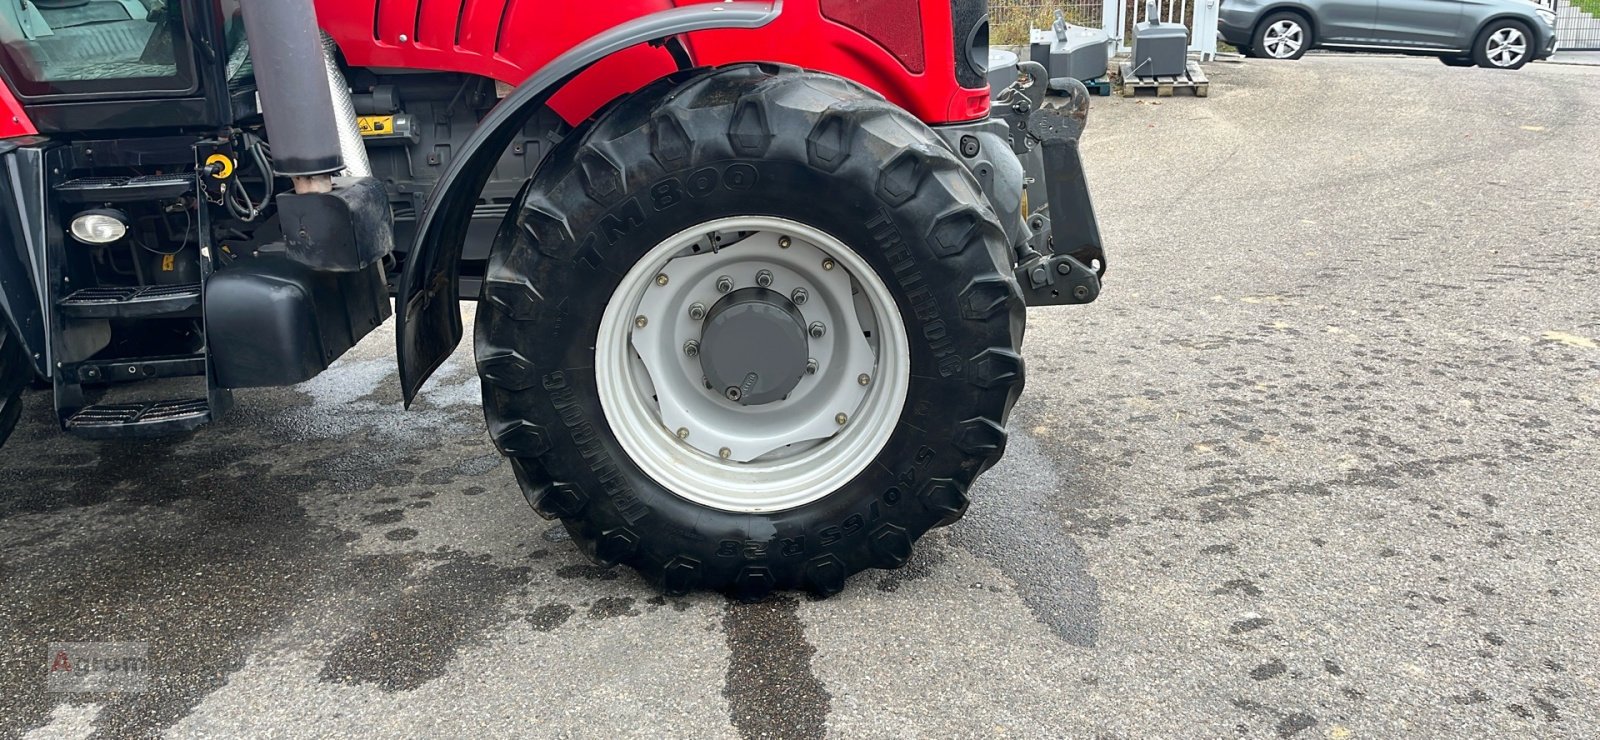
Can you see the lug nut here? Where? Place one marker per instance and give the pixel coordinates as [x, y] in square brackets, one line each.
[697, 311]
[691, 348]
[864, 379]
[783, 242]
[1063, 268]
[840, 419]
[725, 453]
[764, 278]
[683, 432]
[811, 367]
[799, 296]
[817, 330]
[733, 393]
[640, 321]
[661, 279]
[724, 284]
[827, 264]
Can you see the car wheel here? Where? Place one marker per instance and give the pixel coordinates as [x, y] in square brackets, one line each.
[1457, 61]
[1504, 44]
[1282, 36]
[751, 329]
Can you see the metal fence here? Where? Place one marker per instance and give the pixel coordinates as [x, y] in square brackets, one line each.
[1578, 24]
[1009, 20]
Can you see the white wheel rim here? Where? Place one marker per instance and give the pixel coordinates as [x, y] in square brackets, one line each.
[780, 455]
[1506, 47]
[1282, 39]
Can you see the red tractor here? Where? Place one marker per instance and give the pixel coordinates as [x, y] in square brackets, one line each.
[750, 276]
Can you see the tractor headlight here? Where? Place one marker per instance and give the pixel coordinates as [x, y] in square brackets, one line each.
[1548, 16]
[100, 226]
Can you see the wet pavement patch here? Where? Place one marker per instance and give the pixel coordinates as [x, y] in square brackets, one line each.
[549, 617]
[607, 607]
[417, 626]
[1020, 531]
[198, 575]
[1270, 669]
[771, 689]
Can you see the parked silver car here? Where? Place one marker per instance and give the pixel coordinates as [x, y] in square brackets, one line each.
[1500, 34]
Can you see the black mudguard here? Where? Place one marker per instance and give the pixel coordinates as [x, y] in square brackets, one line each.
[22, 188]
[429, 324]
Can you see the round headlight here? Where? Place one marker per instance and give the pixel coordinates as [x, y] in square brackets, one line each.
[99, 227]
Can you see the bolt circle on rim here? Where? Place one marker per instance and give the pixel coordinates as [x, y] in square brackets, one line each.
[1506, 47]
[700, 443]
[1283, 39]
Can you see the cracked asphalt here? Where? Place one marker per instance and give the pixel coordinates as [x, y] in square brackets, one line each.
[1321, 462]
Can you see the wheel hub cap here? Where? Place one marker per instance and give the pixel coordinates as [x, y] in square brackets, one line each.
[753, 348]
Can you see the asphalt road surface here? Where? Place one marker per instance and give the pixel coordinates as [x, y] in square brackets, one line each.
[1321, 462]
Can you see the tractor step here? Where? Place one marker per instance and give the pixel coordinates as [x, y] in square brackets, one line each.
[131, 302]
[145, 368]
[147, 419]
[125, 189]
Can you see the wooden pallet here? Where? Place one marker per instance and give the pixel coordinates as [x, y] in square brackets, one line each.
[1192, 79]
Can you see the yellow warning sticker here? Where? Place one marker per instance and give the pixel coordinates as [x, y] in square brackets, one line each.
[375, 125]
[168, 262]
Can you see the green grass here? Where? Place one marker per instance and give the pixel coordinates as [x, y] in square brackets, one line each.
[1592, 7]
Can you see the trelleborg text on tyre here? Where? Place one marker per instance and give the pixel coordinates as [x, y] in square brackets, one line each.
[752, 328]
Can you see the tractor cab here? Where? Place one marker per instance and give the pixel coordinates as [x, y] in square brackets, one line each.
[84, 66]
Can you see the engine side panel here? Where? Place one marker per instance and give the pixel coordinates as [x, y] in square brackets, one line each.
[504, 40]
[508, 40]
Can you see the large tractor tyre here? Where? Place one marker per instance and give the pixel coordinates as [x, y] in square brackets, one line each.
[15, 374]
[751, 329]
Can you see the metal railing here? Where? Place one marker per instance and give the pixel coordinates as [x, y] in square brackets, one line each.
[1199, 15]
[1009, 20]
[1578, 24]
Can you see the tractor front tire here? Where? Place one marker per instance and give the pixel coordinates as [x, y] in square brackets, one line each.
[792, 226]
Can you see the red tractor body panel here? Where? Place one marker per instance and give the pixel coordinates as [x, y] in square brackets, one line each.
[901, 48]
[13, 119]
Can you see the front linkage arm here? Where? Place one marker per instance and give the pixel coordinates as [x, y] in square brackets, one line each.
[1063, 261]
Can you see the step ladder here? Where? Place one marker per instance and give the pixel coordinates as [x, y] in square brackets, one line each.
[79, 383]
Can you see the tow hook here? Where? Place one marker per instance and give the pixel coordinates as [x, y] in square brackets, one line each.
[1063, 261]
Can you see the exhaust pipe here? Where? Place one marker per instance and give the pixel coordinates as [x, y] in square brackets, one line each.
[296, 100]
[351, 147]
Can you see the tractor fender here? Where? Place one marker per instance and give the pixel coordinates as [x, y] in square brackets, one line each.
[428, 326]
[22, 313]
